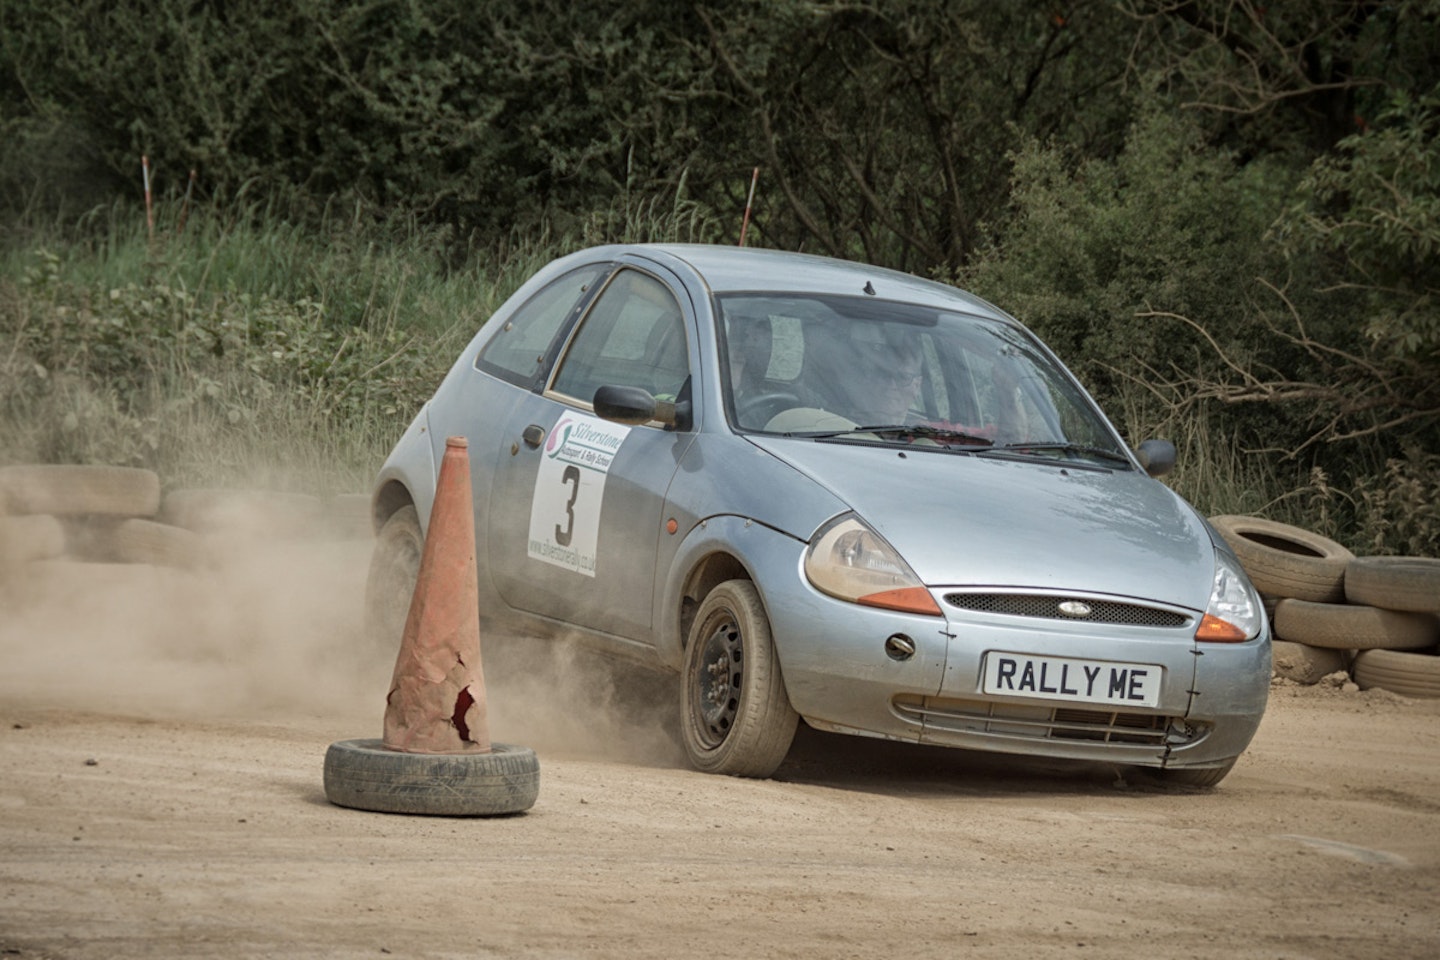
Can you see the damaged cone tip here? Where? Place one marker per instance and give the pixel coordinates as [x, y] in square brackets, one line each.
[436, 702]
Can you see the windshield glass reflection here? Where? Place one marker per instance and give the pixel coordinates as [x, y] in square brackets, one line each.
[872, 371]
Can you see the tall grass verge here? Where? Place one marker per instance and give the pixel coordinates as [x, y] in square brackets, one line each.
[246, 350]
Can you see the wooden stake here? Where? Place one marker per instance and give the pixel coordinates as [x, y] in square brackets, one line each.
[185, 207]
[149, 210]
[744, 224]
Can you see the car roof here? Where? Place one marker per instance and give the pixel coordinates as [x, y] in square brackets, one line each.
[727, 269]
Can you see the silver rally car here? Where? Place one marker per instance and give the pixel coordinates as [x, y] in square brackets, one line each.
[826, 491]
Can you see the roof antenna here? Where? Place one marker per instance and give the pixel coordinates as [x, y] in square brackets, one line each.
[748, 200]
[870, 288]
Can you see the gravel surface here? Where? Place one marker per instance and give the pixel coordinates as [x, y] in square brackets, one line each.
[161, 739]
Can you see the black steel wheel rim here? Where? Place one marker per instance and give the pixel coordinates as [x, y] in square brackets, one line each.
[718, 681]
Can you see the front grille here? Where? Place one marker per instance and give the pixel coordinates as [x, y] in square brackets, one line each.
[1048, 606]
[1045, 723]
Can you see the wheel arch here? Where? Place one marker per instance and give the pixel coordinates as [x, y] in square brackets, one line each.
[391, 496]
[719, 548]
[712, 570]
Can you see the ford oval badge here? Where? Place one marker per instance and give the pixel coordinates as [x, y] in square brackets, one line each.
[1074, 609]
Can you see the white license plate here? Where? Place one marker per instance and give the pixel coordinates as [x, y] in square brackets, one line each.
[1067, 678]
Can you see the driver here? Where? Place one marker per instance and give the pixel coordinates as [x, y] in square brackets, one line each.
[876, 376]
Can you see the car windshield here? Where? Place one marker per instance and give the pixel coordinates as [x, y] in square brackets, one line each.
[867, 371]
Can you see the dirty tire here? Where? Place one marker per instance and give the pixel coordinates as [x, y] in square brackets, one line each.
[145, 541]
[1340, 626]
[36, 537]
[112, 540]
[1286, 561]
[1408, 674]
[390, 583]
[265, 514]
[735, 716]
[69, 490]
[1394, 583]
[1303, 663]
[364, 775]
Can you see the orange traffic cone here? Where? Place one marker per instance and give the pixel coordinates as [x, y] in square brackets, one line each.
[436, 702]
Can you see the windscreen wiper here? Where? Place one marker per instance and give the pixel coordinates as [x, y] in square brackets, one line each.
[1098, 453]
[944, 436]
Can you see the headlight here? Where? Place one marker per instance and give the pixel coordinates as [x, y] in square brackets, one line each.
[1234, 614]
[851, 562]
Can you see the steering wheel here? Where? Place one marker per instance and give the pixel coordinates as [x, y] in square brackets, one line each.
[756, 411]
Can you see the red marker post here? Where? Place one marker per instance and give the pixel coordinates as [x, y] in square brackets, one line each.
[149, 209]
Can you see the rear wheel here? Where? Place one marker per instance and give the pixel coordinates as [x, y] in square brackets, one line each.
[394, 568]
[735, 716]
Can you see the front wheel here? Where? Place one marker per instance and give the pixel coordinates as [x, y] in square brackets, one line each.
[1202, 778]
[735, 716]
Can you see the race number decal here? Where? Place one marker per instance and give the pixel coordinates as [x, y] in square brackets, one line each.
[569, 490]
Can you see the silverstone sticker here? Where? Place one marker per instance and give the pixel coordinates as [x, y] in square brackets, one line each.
[569, 491]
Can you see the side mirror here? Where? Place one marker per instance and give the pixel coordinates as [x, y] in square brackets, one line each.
[632, 405]
[1156, 456]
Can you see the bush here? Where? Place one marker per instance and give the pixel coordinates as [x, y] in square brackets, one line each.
[1101, 257]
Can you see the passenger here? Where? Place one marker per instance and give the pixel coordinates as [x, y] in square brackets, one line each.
[749, 342]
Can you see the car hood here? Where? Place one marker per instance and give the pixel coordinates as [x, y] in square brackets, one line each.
[966, 520]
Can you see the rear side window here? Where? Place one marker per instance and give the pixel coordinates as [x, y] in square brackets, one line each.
[517, 353]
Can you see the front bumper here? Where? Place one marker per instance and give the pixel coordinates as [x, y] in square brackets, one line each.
[840, 677]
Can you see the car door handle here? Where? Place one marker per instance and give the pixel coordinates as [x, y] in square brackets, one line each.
[533, 435]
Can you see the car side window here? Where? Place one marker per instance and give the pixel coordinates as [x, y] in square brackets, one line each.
[633, 336]
[517, 352]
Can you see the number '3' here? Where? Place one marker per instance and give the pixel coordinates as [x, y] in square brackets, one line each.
[572, 477]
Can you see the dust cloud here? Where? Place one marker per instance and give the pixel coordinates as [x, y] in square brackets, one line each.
[270, 630]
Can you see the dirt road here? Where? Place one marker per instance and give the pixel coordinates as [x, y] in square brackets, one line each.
[161, 796]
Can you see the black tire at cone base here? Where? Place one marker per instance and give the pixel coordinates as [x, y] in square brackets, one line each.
[735, 717]
[1394, 583]
[1286, 561]
[1408, 674]
[363, 774]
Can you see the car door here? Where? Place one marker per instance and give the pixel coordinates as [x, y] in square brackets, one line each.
[483, 391]
[576, 507]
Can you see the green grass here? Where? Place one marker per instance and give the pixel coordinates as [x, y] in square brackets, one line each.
[244, 349]
[232, 353]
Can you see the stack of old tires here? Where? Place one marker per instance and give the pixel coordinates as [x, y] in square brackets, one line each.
[62, 514]
[1376, 618]
[97, 514]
